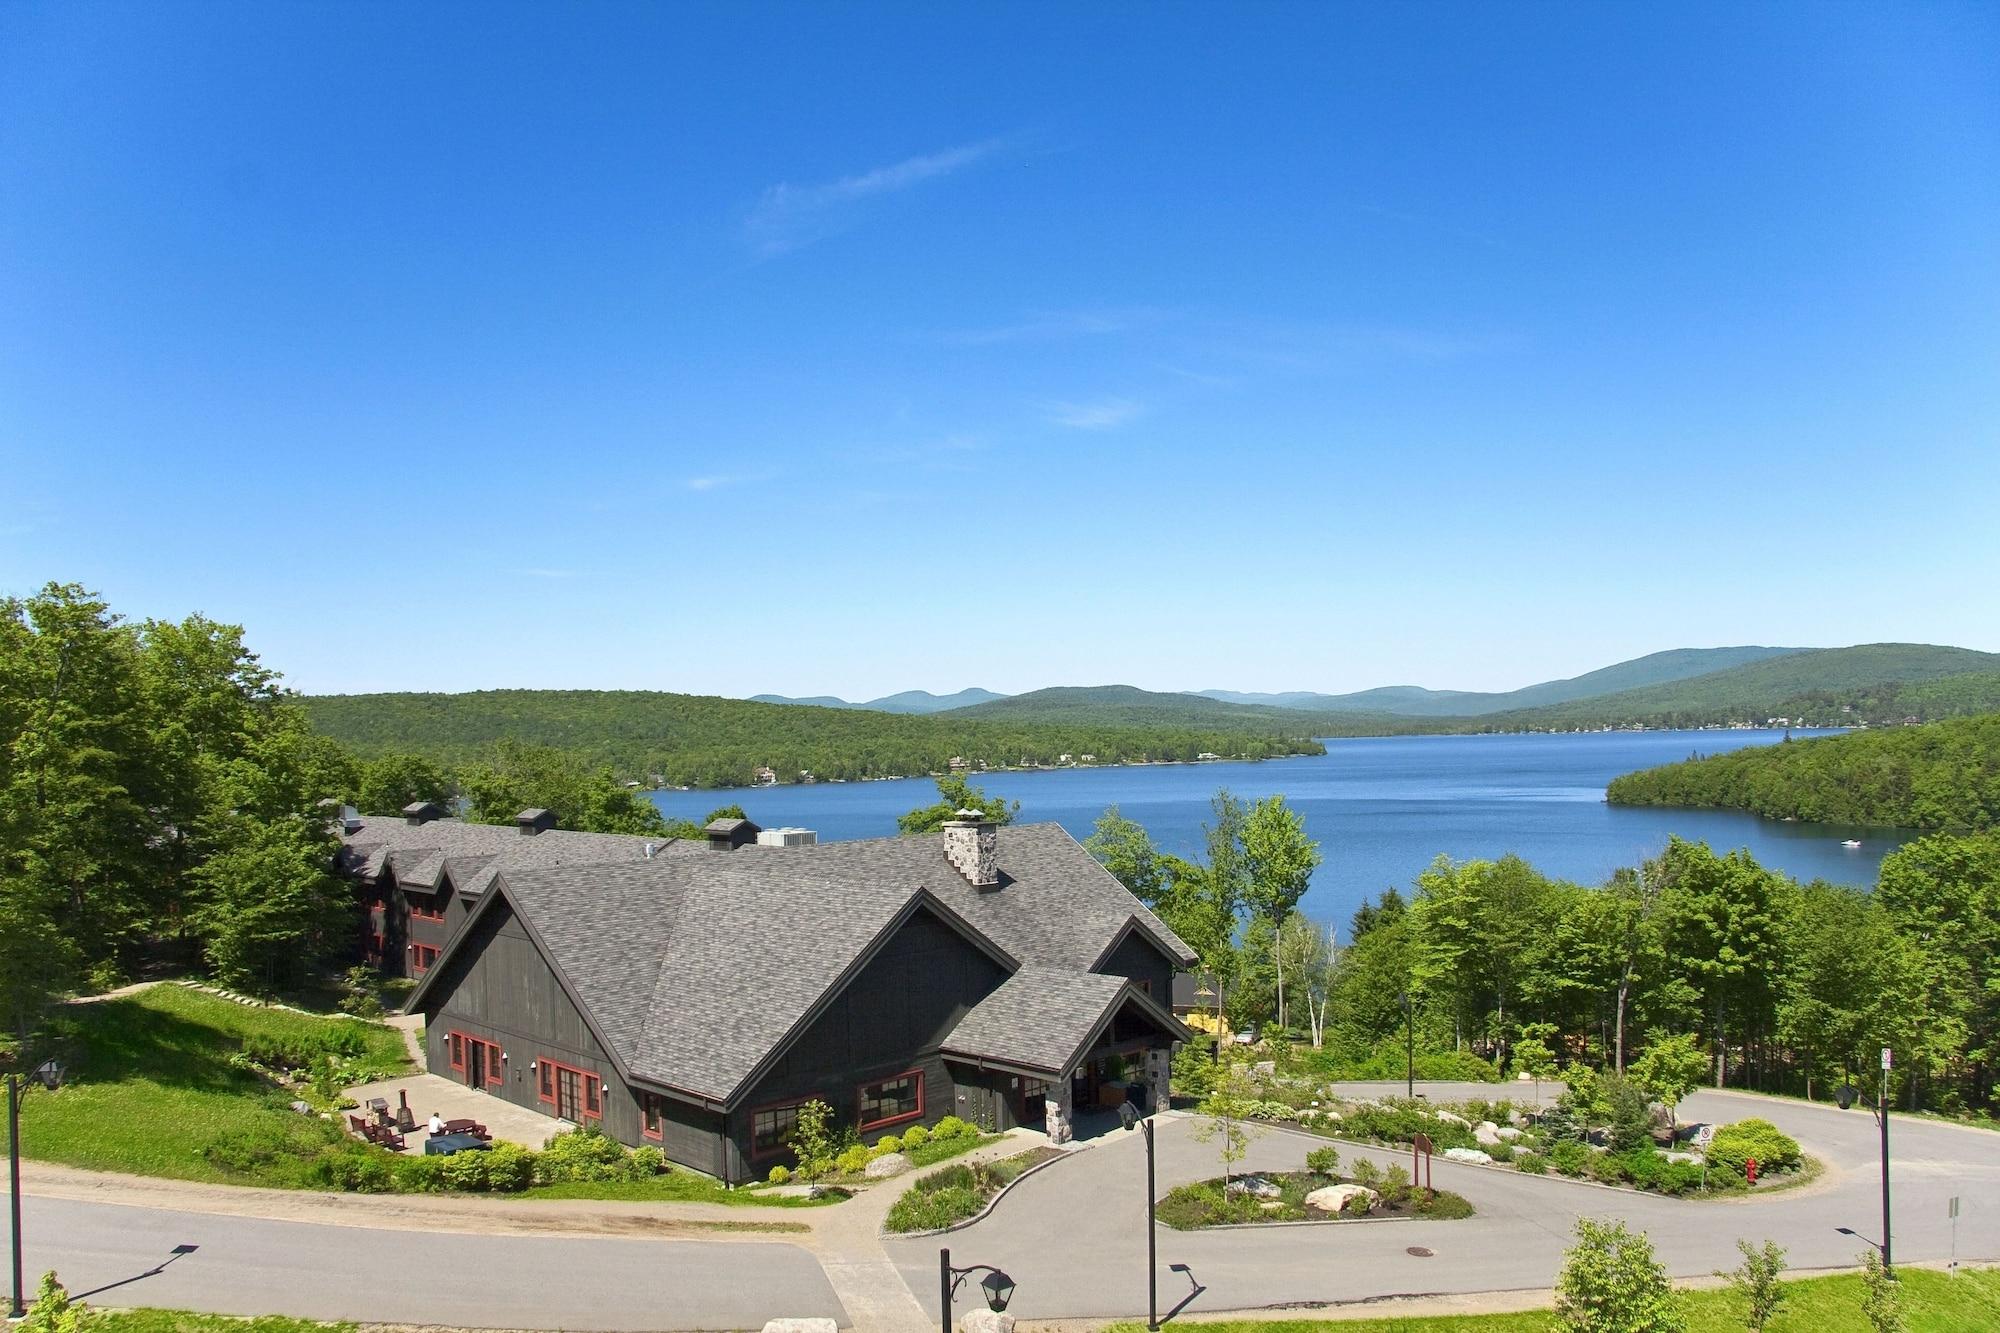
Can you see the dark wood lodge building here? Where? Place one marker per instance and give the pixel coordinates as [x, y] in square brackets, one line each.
[695, 996]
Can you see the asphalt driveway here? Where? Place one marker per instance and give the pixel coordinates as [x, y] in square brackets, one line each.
[1073, 1237]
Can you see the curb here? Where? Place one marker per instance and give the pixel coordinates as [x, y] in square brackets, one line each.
[991, 1204]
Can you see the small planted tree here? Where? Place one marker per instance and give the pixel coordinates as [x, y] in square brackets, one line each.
[1671, 1068]
[55, 1310]
[812, 1138]
[1226, 1117]
[1881, 1301]
[1532, 1055]
[1756, 1280]
[1612, 1283]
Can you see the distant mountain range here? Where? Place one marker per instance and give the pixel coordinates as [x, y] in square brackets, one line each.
[909, 701]
[1679, 687]
[1416, 701]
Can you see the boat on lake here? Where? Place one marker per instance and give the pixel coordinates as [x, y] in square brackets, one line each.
[1850, 843]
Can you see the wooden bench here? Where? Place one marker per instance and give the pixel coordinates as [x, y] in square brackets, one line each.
[465, 1127]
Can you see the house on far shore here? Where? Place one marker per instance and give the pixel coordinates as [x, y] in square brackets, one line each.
[697, 998]
[1194, 1001]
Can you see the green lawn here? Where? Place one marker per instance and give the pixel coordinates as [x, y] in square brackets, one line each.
[187, 1321]
[1932, 1303]
[152, 1089]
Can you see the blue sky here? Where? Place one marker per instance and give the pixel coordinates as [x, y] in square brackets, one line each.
[850, 349]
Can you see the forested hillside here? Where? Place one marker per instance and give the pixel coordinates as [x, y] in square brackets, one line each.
[697, 740]
[1945, 775]
[1756, 691]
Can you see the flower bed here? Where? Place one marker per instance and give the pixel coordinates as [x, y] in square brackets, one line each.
[1283, 1196]
[945, 1197]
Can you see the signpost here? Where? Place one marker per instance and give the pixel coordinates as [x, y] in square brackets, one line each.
[1952, 1267]
[1420, 1147]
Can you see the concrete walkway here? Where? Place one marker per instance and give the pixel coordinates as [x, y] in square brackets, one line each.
[455, 1101]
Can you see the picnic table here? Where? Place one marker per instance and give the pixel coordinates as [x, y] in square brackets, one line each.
[443, 1145]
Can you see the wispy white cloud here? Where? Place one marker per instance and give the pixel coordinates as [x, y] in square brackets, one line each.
[1095, 414]
[789, 216]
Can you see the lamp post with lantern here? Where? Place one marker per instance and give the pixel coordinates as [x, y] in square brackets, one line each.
[997, 1287]
[1846, 1095]
[50, 1075]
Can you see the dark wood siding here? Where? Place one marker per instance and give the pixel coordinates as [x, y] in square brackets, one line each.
[502, 990]
[891, 1017]
[1140, 959]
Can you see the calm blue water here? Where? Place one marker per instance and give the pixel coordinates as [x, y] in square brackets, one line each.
[1382, 809]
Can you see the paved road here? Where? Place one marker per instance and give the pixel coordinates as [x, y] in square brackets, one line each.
[256, 1266]
[1073, 1237]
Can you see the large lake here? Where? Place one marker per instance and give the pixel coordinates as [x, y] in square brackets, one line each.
[1382, 809]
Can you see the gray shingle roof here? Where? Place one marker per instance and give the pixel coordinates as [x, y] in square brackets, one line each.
[697, 967]
[1039, 1018]
[473, 853]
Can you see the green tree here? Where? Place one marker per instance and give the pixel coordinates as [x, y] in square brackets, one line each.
[1225, 1117]
[1278, 862]
[956, 794]
[1724, 927]
[1756, 1280]
[1532, 1055]
[392, 781]
[1881, 1298]
[1611, 1283]
[1670, 1068]
[55, 1310]
[582, 798]
[1123, 847]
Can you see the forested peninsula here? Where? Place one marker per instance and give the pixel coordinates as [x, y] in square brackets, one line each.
[1943, 775]
[700, 741]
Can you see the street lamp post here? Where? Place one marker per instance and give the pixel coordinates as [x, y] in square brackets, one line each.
[1847, 1094]
[997, 1286]
[50, 1073]
[1128, 1117]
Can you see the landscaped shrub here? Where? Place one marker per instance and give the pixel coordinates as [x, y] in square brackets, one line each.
[888, 1143]
[588, 1154]
[943, 1197]
[1605, 1168]
[1500, 1152]
[1570, 1157]
[1745, 1140]
[1365, 1173]
[916, 1136]
[779, 1174]
[1401, 1123]
[852, 1161]
[951, 1127]
[1629, 1116]
[511, 1168]
[1395, 1186]
[1193, 1070]
[1559, 1124]
[1533, 1163]
[1324, 1161]
[354, 1167]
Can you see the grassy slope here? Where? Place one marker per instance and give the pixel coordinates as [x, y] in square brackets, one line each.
[1941, 775]
[1932, 1303]
[151, 1085]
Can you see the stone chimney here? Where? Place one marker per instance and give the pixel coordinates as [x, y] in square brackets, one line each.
[421, 812]
[534, 820]
[972, 845]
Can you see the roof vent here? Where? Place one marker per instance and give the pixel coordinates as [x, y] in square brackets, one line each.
[972, 845]
[726, 835]
[534, 820]
[787, 837]
[421, 812]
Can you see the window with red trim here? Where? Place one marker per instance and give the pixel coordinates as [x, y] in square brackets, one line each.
[771, 1129]
[422, 957]
[458, 1051]
[593, 1102]
[545, 1080]
[652, 1115]
[575, 1094]
[892, 1099]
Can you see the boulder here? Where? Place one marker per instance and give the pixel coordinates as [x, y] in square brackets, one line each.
[1452, 1118]
[986, 1321]
[1264, 1068]
[1473, 1155]
[801, 1326]
[1682, 1156]
[1508, 1133]
[1517, 1119]
[888, 1164]
[1257, 1187]
[1486, 1133]
[1333, 1198]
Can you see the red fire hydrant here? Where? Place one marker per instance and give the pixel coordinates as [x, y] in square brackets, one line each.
[1750, 1170]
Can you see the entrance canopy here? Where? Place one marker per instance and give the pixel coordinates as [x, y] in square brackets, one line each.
[1043, 1021]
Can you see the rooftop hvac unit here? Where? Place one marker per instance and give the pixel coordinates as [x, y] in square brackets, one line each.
[787, 837]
